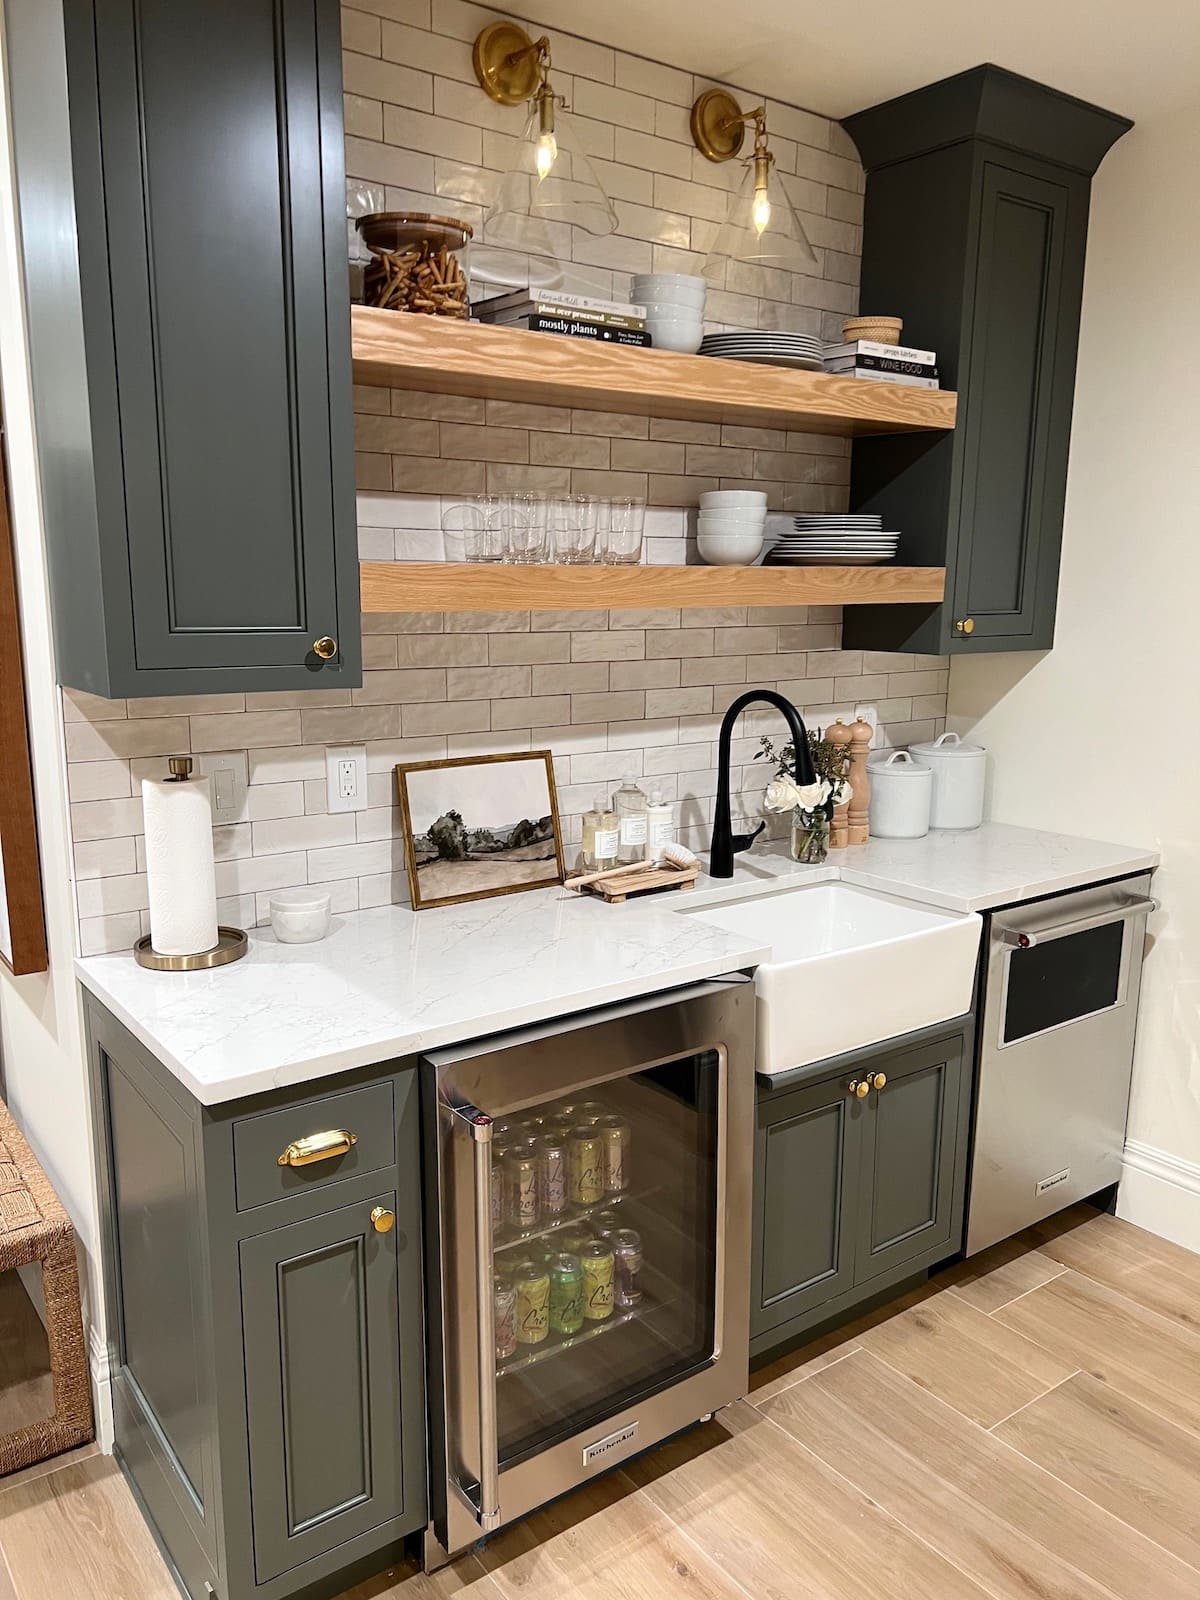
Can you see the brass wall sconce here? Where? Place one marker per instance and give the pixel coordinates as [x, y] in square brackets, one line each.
[719, 131]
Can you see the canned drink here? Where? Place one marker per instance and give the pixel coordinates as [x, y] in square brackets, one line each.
[627, 1262]
[563, 1111]
[502, 1132]
[552, 1176]
[596, 1260]
[573, 1238]
[617, 1136]
[521, 1174]
[505, 1302]
[585, 1167]
[532, 1290]
[566, 1294]
[605, 1223]
[500, 1152]
[590, 1113]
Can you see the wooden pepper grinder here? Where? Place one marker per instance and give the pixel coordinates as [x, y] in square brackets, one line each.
[839, 836]
[860, 786]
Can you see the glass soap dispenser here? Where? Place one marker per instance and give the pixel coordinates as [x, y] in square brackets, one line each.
[600, 836]
[629, 804]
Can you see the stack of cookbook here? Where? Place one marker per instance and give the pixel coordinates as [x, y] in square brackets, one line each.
[883, 363]
[577, 316]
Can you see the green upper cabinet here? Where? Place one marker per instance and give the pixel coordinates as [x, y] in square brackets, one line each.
[974, 231]
[181, 182]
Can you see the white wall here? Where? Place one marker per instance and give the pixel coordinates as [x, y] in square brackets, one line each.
[1099, 737]
[40, 1024]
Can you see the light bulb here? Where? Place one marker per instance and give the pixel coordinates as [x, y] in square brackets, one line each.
[761, 213]
[545, 154]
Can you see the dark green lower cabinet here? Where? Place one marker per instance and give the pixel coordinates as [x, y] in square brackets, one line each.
[852, 1194]
[267, 1362]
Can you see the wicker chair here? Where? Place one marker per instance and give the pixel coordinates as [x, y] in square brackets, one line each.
[34, 1227]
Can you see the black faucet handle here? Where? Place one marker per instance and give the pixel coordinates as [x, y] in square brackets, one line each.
[743, 841]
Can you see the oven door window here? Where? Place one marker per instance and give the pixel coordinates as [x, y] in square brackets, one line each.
[1062, 980]
[605, 1249]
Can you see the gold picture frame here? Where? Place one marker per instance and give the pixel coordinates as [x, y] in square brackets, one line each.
[472, 858]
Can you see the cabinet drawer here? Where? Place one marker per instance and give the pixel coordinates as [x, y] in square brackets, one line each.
[366, 1115]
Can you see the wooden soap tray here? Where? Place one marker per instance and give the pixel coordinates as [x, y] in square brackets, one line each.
[617, 890]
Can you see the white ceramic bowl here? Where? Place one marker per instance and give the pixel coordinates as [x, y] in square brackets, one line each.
[729, 550]
[682, 335]
[733, 518]
[668, 311]
[300, 916]
[733, 499]
[673, 286]
[735, 530]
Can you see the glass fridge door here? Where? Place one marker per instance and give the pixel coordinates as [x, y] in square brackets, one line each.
[604, 1248]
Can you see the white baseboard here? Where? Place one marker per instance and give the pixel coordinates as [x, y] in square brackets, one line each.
[101, 1389]
[1161, 1192]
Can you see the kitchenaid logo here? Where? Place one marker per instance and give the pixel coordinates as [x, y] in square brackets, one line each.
[1053, 1181]
[606, 1446]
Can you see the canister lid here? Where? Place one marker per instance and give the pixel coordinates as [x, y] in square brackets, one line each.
[947, 744]
[898, 763]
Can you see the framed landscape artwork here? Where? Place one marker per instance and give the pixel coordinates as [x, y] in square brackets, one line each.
[22, 917]
[479, 826]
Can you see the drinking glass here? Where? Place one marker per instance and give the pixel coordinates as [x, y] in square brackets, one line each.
[621, 542]
[524, 523]
[573, 529]
[472, 531]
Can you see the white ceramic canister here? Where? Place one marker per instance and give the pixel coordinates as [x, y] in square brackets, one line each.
[959, 774]
[901, 795]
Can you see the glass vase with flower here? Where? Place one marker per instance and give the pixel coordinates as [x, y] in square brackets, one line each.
[811, 805]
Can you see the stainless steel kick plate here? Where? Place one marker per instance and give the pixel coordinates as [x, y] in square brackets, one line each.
[1053, 1181]
[606, 1446]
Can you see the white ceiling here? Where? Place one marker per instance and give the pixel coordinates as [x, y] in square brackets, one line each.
[1135, 57]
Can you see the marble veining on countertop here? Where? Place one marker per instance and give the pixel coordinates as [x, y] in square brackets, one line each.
[391, 982]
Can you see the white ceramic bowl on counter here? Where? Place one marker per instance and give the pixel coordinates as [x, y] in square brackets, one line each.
[300, 916]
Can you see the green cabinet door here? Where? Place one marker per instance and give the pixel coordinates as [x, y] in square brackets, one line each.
[805, 1177]
[908, 1151]
[320, 1314]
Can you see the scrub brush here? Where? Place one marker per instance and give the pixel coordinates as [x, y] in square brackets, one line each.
[678, 855]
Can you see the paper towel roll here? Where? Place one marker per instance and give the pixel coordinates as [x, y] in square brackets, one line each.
[179, 865]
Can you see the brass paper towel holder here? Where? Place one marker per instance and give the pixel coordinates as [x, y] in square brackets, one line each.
[231, 944]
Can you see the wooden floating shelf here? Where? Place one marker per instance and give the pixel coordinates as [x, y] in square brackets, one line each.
[400, 350]
[395, 586]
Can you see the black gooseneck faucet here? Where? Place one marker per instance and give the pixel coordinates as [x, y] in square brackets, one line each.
[725, 843]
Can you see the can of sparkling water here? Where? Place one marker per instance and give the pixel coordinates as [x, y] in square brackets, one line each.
[617, 1136]
[596, 1260]
[500, 1153]
[505, 1301]
[590, 1113]
[605, 1223]
[552, 1176]
[532, 1291]
[521, 1175]
[627, 1262]
[572, 1238]
[585, 1167]
[566, 1294]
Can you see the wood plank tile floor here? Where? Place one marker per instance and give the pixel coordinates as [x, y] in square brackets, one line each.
[1026, 1425]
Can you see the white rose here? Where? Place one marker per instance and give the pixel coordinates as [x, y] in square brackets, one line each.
[811, 796]
[782, 795]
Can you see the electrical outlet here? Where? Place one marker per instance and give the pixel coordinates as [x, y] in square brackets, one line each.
[228, 772]
[346, 777]
[868, 714]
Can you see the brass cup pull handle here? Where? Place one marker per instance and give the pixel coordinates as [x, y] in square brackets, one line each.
[318, 1147]
[878, 1081]
[325, 647]
[383, 1219]
[860, 1088]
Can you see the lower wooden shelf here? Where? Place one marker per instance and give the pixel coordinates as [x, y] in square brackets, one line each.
[448, 586]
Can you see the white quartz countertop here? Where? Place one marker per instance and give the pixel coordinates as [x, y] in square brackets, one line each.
[390, 982]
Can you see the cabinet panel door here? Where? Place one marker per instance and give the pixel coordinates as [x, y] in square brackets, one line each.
[908, 1147]
[1014, 449]
[320, 1319]
[805, 1171]
[220, 138]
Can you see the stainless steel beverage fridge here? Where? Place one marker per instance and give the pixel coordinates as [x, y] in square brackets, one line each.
[589, 1246]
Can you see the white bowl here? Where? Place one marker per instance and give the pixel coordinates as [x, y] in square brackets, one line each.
[674, 310]
[727, 550]
[730, 530]
[668, 285]
[683, 337]
[736, 516]
[300, 916]
[733, 499]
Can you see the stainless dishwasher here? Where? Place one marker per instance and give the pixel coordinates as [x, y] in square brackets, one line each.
[1058, 1016]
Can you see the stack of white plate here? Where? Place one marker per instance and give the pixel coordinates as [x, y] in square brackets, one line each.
[835, 541]
[772, 349]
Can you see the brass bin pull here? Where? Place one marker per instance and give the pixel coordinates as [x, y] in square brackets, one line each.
[318, 1147]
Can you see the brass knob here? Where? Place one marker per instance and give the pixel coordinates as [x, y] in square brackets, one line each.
[383, 1219]
[859, 1088]
[878, 1081]
[325, 647]
[965, 625]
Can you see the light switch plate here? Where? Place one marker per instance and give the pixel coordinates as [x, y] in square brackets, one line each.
[228, 772]
[346, 777]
